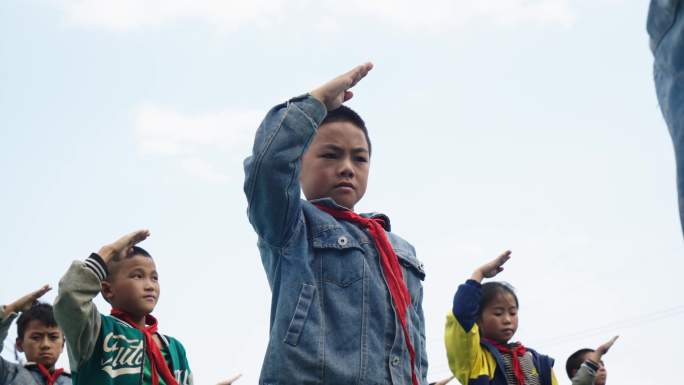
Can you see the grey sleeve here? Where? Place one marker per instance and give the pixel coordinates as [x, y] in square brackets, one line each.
[585, 375]
[5, 323]
[75, 311]
[5, 367]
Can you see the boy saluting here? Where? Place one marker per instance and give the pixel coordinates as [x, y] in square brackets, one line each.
[346, 292]
[39, 337]
[124, 348]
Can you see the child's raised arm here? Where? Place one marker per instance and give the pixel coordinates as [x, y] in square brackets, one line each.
[7, 314]
[586, 375]
[272, 171]
[74, 309]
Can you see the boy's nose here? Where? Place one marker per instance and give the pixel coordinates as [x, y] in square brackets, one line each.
[346, 169]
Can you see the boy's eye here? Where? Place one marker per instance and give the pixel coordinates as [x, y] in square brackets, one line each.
[329, 155]
[361, 159]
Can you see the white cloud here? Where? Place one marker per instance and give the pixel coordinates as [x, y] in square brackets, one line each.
[231, 15]
[196, 140]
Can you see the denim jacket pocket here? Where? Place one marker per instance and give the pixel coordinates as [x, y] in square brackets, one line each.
[341, 256]
[409, 261]
[300, 315]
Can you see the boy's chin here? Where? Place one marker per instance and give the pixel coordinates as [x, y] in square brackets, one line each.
[48, 363]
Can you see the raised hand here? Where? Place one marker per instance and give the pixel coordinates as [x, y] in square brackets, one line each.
[601, 350]
[491, 268]
[24, 303]
[336, 91]
[230, 381]
[120, 248]
[444, 381]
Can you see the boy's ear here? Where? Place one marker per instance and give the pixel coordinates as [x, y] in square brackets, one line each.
[18, 344]
[107, 291]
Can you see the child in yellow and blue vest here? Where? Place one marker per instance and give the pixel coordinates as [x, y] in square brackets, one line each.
[484, 319]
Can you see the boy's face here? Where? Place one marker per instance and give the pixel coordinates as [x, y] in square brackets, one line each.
[133, 286]
[42, 344]
[336, 164]
[499, 320]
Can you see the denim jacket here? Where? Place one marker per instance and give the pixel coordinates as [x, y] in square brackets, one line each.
[666, 30]
[332, 319]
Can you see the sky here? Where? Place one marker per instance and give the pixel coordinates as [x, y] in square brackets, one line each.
[529, 125]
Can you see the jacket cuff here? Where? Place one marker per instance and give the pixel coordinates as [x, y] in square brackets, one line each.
[592, 365]
[312, 107]
[6, 317]
[97, 265]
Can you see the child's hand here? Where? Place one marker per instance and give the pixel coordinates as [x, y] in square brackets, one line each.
[601, 350]
[336, 91]
[122, 246]
[230, 381]
[492, 268]
[24, 303]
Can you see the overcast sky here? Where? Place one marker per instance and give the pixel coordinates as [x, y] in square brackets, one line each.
[529, 125]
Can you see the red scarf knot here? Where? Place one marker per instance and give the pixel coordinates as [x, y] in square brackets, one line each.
[157, 362]
[390, 268]
[514, 351]
[50, 378]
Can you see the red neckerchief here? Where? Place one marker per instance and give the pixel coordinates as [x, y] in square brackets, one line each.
[50, 378]
[157, 362]
[390, 267]
[516, 351]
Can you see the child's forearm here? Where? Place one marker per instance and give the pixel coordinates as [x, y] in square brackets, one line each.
[74, 309]
[272, 171]
[466, 303]
[586, 374]
[6, 318]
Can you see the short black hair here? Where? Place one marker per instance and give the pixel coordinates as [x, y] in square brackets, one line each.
[137, 250]
[39, 311]
[490, 290]
[134, 251]
[346, 114]
[575, 361]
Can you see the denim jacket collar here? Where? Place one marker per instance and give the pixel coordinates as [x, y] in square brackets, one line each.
[329, 202]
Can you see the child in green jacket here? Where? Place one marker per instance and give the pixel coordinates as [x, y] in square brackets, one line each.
[123, 348]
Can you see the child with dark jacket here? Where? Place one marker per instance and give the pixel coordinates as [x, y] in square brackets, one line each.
[38, 337]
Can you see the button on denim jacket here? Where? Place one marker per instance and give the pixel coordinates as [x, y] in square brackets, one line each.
[666, 30]
[332, 319]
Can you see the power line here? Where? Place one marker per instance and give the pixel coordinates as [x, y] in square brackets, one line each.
[628, 322]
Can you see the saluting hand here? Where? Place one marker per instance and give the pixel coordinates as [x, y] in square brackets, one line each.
[230, 381]
[24, 303]
[491, 268]
[120, 248]
[336, 91]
